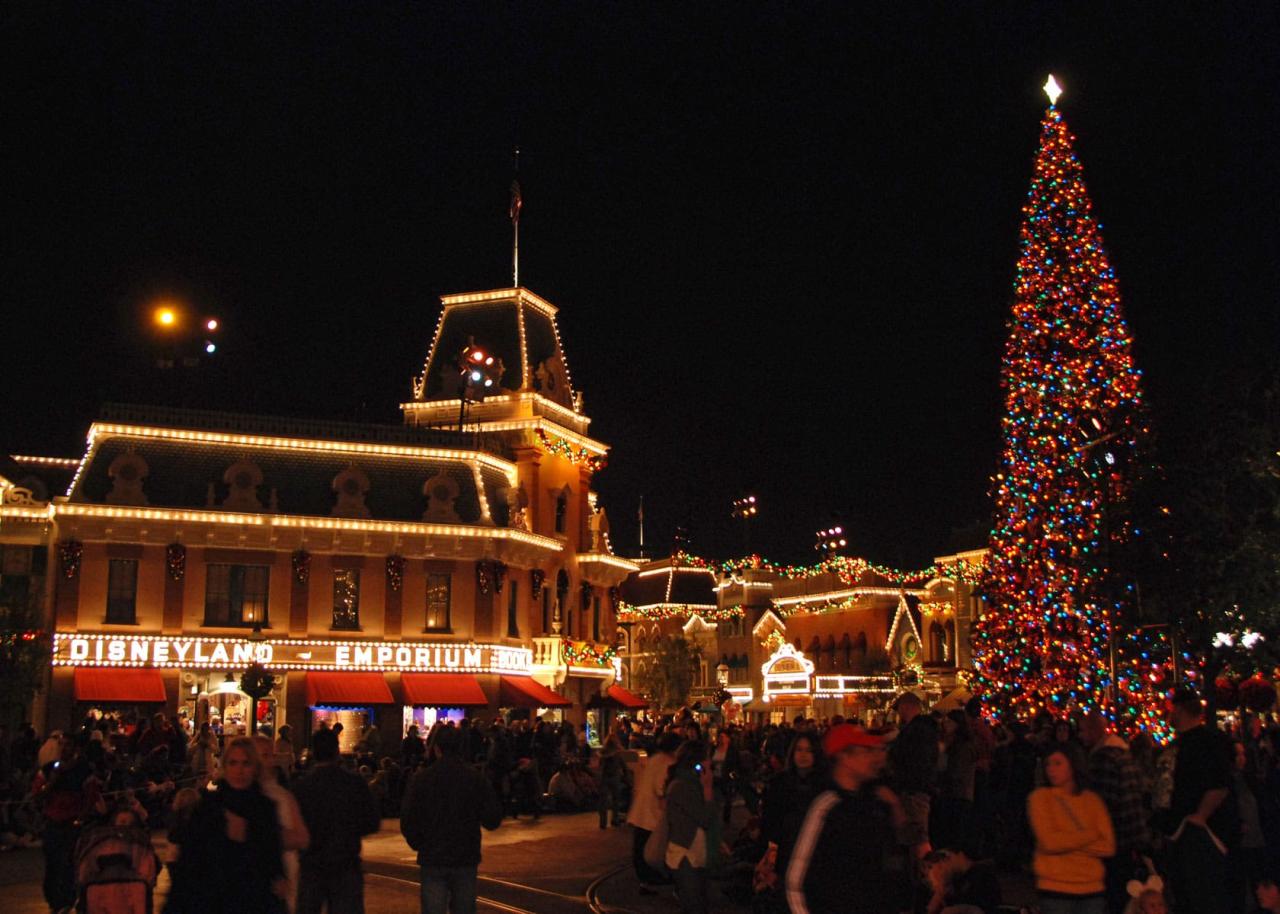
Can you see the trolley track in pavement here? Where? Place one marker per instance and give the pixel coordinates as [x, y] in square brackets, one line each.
[513, 897]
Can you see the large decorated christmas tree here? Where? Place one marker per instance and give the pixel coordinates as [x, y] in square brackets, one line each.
[1072, 416]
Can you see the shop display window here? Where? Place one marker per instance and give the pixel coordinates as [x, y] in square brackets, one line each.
[425, 718]
[353, 720]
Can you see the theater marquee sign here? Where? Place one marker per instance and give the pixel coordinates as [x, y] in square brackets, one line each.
[76, 649]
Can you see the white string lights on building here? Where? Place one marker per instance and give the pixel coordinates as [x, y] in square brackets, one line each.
[276, 521]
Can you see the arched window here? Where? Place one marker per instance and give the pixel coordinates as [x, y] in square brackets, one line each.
[562, 509]
[562, 597]
[953, 646]
[937, 643]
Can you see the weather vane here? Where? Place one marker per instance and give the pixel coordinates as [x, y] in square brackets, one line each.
[1052, 89]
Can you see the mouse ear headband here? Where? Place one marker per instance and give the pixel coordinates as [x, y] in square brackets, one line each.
[1153, 884]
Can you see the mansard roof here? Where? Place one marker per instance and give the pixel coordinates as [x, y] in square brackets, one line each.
[188, 457]
[667, 582]
[513, 324]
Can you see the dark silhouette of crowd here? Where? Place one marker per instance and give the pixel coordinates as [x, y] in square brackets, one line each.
[924, 811]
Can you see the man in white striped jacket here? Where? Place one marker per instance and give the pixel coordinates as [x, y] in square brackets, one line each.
[842, 859]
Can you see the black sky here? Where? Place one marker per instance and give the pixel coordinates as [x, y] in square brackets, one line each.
[782, 236]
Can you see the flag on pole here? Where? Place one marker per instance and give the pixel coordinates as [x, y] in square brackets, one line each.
[516, 202]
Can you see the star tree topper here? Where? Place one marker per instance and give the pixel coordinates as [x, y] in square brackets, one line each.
[1052, 89]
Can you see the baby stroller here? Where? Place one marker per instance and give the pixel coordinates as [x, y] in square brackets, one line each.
[116, 870]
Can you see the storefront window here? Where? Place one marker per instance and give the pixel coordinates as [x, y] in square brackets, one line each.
[425, 718]
[346, 599]
[122, 591]
[236, 594]
[354, 721]
[439, 587]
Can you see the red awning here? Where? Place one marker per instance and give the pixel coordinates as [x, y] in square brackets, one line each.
[93, 684]
[628, 700]
[442, 690]
[347, 689]
[523, 692]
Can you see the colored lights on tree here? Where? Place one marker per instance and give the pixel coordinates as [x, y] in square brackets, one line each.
[1068, 374]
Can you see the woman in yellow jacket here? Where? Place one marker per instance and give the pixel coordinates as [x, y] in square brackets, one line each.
[1073, 835]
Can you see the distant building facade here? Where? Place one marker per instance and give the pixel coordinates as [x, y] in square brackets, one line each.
[840, 638]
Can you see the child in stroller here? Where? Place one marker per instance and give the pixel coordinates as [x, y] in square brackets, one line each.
[116, 867]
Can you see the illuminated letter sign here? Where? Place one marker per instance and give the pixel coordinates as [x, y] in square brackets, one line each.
[786, 675]
[77, 649]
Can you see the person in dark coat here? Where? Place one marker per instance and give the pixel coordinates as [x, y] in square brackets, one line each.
[841, 863]
[1203, 820]
[693, 825]
[412, 749]
[445, 806]
[229, 852]
[913, 767]
[786, 800]
[339, 809]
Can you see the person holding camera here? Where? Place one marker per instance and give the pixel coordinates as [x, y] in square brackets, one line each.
[691, 816]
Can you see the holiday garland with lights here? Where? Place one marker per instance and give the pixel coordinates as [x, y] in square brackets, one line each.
[1072, 420]
[584, 653]
[849, 570]
[559, 447]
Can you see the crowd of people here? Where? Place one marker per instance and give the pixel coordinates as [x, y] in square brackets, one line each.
[933, 813]
[929, 812]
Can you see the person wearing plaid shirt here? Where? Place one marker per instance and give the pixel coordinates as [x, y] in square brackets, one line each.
[1114, 776]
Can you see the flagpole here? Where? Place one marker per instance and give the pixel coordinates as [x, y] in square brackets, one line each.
[515, 225]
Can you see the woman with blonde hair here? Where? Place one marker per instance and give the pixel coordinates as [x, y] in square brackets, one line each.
[294, 836]
[229, 850]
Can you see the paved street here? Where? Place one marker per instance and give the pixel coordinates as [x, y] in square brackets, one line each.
[560, 865]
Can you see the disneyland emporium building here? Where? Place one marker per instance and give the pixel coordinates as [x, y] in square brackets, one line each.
[457, 565]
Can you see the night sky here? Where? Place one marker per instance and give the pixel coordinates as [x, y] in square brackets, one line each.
[782, 237]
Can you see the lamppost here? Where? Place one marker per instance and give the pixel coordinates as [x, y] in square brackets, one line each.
[744, 509]
[185, 339]
[479, 371]
[830, 542]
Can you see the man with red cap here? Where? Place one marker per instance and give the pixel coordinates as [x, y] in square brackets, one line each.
[841, 860]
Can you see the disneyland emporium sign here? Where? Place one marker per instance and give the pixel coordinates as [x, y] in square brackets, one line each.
[75, 649]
